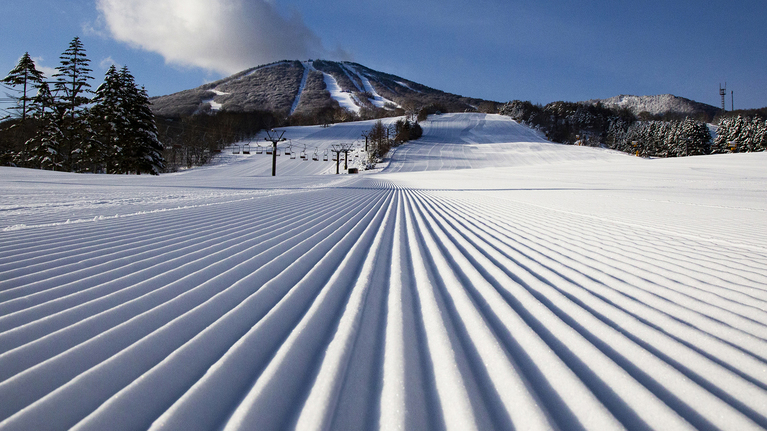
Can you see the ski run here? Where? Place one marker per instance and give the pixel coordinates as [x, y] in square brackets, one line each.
[484, 278]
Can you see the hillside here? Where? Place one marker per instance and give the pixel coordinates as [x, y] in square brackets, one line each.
[304, 88]
[663, 104]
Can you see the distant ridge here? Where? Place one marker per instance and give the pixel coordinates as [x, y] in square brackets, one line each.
[663, 104]
[303, 88]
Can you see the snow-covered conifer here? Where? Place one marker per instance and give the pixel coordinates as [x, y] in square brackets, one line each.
[110, 121]
[761, 135]
[695, 138]
[143, 150]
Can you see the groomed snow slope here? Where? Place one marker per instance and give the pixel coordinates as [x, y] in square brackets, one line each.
[541, 287]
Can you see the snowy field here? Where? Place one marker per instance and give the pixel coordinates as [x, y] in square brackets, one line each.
[485, 279]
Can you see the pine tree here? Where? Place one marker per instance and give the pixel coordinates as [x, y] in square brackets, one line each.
[110, 121]
[720, 143]
[26, 75]
[761, 136]
[43, 150]
[750, 137]
[143, 150]
[72, 87]
[698, 137]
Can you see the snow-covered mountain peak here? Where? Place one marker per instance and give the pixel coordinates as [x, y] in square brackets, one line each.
[307, 87]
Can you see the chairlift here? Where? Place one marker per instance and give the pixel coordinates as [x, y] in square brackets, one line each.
[269, 151]
[315, 156]
[246, 149]
[325, 156]
[288, 150]
[335, 156]
[303, 155]
[292, 154]
[236, 149]
[259, 149]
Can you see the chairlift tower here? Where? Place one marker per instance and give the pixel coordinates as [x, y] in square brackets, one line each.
[274, 137]
[338, 149]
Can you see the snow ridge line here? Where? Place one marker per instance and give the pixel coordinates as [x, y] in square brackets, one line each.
[41, 385]
[87, 295]
[381, 306]
[100, 218]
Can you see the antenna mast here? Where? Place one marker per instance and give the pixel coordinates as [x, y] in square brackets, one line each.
[723, 93]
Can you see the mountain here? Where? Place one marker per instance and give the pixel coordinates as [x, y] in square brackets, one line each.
[660, 105]
[305, 88]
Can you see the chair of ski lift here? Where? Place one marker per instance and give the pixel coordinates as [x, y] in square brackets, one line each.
[325, 156]
[292, 154]
[335, 156]
[269, 151]
[259, 149]
[315, 156]
[246, 149]
[289, 149]
[303, 155]
[236, 149]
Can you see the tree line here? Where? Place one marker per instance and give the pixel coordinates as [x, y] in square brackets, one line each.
[64, 125]
[620, 129]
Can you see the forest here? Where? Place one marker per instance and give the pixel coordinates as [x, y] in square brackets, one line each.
[641, 135]
[64, 125]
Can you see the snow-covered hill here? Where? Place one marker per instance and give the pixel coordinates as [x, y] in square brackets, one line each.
[290, 87]
[486, 279]
[659, 105]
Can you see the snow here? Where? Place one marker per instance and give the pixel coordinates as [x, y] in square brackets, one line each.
[344, 98]
[484, 279]
[307, 68]
[377, 100]
[212, 102]
[406, 85]
[655, 105]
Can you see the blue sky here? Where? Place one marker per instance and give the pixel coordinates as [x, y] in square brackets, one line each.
[541, 50]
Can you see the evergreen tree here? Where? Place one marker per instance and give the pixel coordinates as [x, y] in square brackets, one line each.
[26, 75]
[72, 87]
[696, 136]
[142, 151]
[750, 137]
[110, 121]
[761, 135]
[729, 134]
[42, 101]
[43, 150]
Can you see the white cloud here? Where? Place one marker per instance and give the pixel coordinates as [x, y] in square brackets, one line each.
[225, 36]
[107, 62]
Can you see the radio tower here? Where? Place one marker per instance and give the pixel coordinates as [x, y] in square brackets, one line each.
[723, 93]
